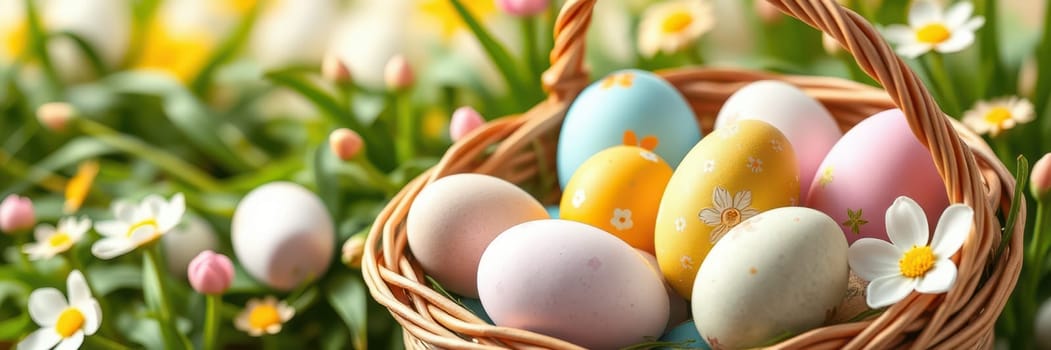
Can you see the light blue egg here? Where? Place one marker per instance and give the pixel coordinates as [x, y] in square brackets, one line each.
[683, 332]
[627, 100]
[553, 210]
[475, 306]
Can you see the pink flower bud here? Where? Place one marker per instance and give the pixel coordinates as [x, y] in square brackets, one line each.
[16, 214]
[1040, 179]
[353, 250]
[464, 120]
[333, 69]
[210, 273]
[398, 73]
[522, 8]
[345, 143]
[55, 115]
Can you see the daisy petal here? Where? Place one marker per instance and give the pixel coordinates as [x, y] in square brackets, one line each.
[142, 235]
[885, 291]
[43, 231]
[906, 224]
[45, 305]
[872, 258]
[153, 205]
[77, 287]
[939, 279]
[953, 228]
[72, 343]
[125, 211]
[913, 50]
[43, 338]
[974, 24]
[898, 33]
[92, 316]
[109, 248]
[722, 199]
[172, 213]
[958, 14]
[923, 12]
[80, 227]
[112, 228]
[710, 216]
[960, 40]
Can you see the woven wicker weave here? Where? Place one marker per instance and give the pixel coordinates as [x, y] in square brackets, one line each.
[520, 149]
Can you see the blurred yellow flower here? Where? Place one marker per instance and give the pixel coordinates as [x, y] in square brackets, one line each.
[237, 7]
[180, 54]
[434, 123]
[15, 37]
[445, 14]
[672, 26]
[78, 187]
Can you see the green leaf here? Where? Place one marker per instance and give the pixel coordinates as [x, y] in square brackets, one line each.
[326, 171]
[227, 51]
[154, 292]
[108, 278]
[13, 328]
[1021, 178]
[72, 153]
[499, 55]
[348, 296]
[85, 48]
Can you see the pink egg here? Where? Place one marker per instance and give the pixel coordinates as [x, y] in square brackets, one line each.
[874, 163]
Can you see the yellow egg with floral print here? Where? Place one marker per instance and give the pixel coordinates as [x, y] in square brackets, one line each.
[738, 171]
[618, 190]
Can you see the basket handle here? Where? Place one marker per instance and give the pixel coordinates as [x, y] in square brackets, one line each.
[955, 162]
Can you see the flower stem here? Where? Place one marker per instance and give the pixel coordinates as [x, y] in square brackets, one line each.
[163, 305]
[941, 79]
[21, 240]
[1002, 147]
[377, 177]
[170, 163]
[211, 320]
[405, 144]
[527, 26]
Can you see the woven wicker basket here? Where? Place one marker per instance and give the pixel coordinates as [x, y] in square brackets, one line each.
[520, 148]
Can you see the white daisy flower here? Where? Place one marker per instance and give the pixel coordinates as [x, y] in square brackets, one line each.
[932, 28]
[63, 322]
[999, 115]
[908, 263]
[265, 316]
[671, 26]
[136, 225]
[728, 211]
[680, 224]
[51, 241]
[621, 219]
[578, 198]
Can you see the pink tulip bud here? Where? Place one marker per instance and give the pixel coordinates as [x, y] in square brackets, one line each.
[333, 69]
[210, 273]
[353, 250]
[522, 8]
[55, 115]
[464, 120]
[345, 143]
[16, 214]
[398, 73]
[1040, 179]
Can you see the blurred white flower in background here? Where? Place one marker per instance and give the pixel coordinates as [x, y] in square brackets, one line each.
[184, 33]
[932, 27]
[673, 26]
[293, 32]
[369, 34]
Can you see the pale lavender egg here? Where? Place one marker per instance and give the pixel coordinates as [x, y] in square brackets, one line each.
[874, 163]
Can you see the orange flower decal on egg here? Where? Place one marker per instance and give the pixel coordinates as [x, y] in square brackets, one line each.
[649, 142]
[622, 79]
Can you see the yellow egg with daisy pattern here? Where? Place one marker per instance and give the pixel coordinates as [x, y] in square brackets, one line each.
[618, 190]
[738, 171]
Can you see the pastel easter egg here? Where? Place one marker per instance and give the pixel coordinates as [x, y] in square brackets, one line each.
[282, 235]
[553, 211]
[804, 121]
[874, 163]
[685, 335]
[780, 272]
[628, 100]
[678, 307]
[453, 219]
[574, 282]
[733, 174]
[618, 190]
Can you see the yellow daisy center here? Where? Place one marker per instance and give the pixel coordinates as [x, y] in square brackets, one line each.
[263, 317]
[934, 33]
[997, 115]
[137, 225]
[59, 239]
[731, 217]
[178, 54]
[69, 321]
[15, 39]
[676, 22]
[443, 12]
[916, 262]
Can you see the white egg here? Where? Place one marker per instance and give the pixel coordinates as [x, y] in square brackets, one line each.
[283, 235]
[1043, 326]
[804, 121]
[183, 243]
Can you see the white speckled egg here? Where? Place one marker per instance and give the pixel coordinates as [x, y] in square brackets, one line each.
[572, 281]
[634, 101]
[454, 218]
[282, 235]
[804, 121]
[782, 271]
